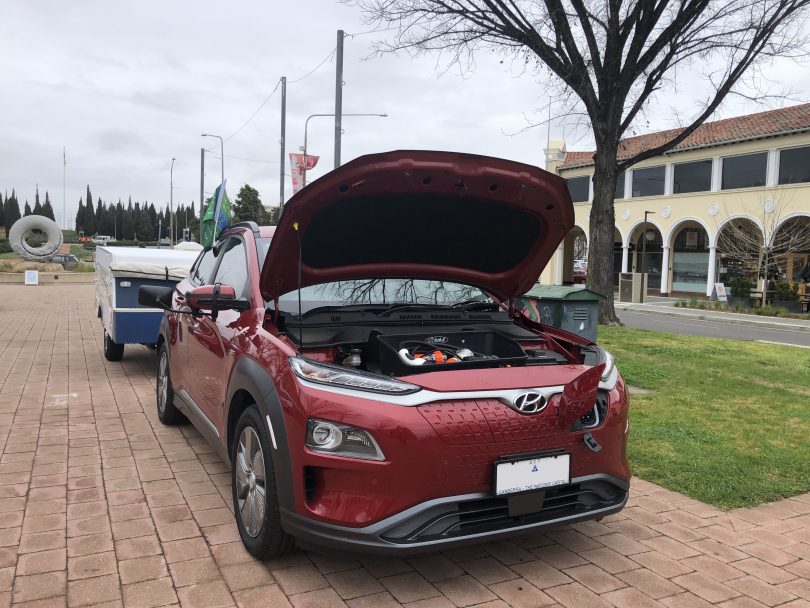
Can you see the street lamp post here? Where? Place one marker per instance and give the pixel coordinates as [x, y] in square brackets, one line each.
[221, 153]
[171, 204]
[306, 127]
[644, 257]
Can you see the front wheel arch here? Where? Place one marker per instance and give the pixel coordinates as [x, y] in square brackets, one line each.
[251, 384]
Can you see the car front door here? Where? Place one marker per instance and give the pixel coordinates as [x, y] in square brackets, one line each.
[210, 343]
[201, 274]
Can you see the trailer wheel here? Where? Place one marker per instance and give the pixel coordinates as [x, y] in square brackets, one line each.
[112, 351]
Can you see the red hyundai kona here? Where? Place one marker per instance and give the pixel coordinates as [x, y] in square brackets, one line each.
[364, 372]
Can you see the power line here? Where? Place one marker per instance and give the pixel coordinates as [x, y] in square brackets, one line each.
[252, 160]
[315, 69]
[273, 92]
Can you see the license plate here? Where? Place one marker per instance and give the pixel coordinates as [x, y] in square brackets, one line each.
[525, 474]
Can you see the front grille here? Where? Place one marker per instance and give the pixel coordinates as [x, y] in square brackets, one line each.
[492, 514]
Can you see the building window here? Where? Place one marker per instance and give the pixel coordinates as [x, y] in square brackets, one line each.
[744, 171]
[692, 177]
[620, 186]
[690, 260]
[578, 188]
[794, 165]
[649, 181]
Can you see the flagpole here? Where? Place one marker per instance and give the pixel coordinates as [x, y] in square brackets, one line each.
[64, 205]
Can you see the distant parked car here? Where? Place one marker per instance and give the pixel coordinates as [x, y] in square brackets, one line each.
[102, 239]
[67, 260]
[580, 271]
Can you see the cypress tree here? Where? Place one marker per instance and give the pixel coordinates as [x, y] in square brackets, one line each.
[3, 211]
[80, 216]
[27, 209]
[89, 218]
[47, 209]
[12, 211]
[128, 223]
[37, 205]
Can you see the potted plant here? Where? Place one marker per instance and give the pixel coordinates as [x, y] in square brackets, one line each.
[786, 296]
[740, 289]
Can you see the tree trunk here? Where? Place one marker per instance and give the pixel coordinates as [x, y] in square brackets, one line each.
[600, 240]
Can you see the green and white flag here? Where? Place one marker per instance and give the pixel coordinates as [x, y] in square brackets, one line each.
[217, 216]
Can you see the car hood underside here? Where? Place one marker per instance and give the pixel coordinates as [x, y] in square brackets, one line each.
[470, 219]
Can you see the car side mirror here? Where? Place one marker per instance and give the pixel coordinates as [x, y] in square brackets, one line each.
[155, 296]
[214, 298]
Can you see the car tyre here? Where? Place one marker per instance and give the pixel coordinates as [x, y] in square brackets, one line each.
[166, 410]
[112, 351]
[255, 501]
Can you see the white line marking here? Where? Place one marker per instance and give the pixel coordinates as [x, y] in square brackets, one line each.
[782, 343]
[272, 434]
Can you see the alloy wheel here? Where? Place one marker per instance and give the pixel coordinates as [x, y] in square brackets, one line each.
[162, 379]
[251, 486]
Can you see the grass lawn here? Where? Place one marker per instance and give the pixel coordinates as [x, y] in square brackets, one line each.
[726, 421]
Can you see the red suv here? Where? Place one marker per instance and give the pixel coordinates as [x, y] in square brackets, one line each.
[362, 369]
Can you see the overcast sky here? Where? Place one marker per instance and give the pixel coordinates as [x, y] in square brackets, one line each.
[126, 86]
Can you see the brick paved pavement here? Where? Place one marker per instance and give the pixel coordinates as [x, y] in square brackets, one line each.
[101, 504]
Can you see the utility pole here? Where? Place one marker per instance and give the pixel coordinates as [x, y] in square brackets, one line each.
[171, 204]
[282, 142]
[202, 181]
[338, 95]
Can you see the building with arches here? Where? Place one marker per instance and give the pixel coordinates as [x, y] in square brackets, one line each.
[733, 184]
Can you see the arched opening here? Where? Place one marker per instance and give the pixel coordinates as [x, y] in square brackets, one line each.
[690, 258]
[791, 251]
[575, 256]
[739, 251]
[648, 250]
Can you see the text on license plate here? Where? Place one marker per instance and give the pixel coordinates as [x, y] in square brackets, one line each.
[532, 474]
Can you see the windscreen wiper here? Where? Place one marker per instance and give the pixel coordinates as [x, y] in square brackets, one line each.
[397, 307]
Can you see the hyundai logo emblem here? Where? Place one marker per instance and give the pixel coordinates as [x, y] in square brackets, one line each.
[529, 403]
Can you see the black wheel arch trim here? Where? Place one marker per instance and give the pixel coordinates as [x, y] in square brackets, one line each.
[250, 376]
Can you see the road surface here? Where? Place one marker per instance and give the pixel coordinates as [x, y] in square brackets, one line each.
[713, 329]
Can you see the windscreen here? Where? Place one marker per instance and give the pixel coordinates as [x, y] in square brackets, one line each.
[382, 292]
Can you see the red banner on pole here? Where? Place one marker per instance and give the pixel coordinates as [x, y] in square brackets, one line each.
[297, 169]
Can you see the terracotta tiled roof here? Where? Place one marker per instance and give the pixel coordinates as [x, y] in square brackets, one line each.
[740, 128]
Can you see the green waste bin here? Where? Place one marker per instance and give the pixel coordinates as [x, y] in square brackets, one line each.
[573, 309]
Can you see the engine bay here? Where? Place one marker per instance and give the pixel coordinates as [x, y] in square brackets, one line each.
[402, 354]
[419, 341]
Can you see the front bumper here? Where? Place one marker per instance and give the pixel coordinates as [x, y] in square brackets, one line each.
[470, 518]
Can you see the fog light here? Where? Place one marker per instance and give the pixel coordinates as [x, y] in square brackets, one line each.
[326, 435]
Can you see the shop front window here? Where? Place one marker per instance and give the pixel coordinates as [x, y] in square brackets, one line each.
[649, 257]
[690, 261]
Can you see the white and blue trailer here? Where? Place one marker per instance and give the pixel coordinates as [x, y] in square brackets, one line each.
[120, 271]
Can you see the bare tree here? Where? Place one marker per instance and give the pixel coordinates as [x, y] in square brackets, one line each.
[610, 57]
[580, 247]
[766, 247]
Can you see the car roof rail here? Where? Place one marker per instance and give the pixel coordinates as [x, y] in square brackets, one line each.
[251, 225]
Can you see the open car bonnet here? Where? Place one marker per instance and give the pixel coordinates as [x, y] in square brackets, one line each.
[464, 218]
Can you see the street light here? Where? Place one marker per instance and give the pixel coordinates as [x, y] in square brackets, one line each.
[644, 257]
[306, 126]
[171, 204]
[221, 152]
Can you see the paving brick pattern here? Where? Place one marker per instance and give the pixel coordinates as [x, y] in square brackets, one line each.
[102, 505]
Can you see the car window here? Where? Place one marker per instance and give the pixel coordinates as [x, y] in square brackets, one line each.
[232, 268]
[201, 271]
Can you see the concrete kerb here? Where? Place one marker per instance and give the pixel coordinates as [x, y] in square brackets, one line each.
[717, 317]
[46, 277]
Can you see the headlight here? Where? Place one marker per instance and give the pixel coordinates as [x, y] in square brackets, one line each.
[610, 365]
[611, 374]
[342, 440]
[334, 375]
